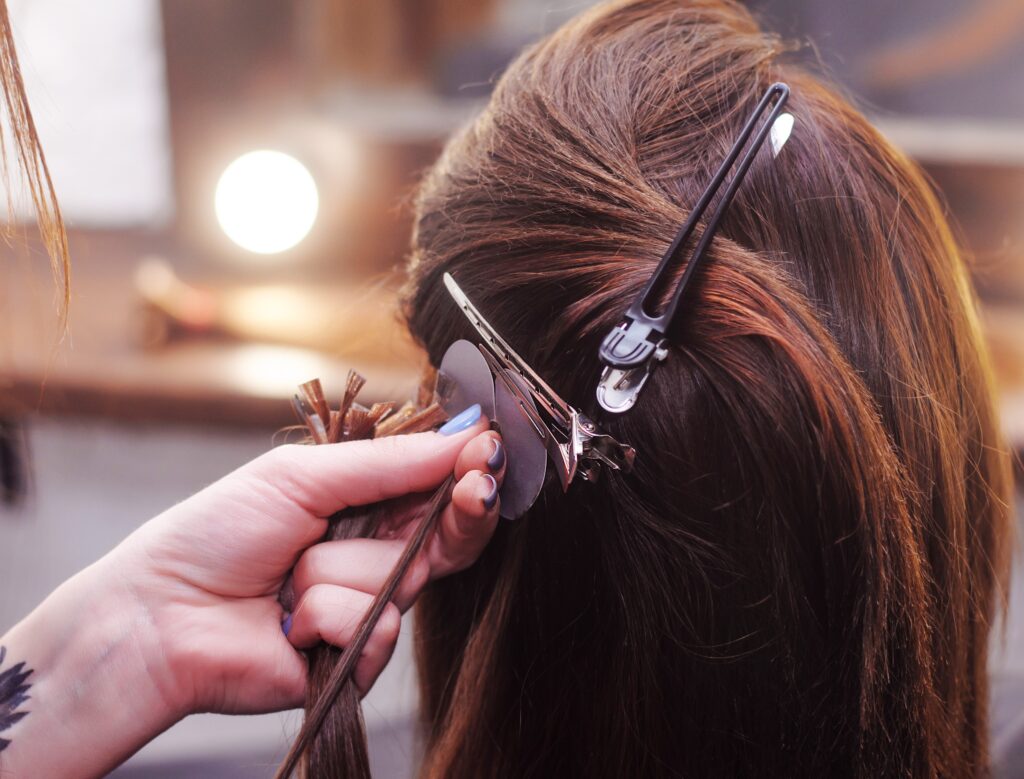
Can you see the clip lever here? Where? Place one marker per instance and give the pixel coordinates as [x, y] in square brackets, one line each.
[632, 349]
[572, 441]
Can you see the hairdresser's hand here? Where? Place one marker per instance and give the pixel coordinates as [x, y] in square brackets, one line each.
[183, 616]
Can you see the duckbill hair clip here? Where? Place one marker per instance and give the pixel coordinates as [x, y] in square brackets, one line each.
[630, 351]
[536, 424]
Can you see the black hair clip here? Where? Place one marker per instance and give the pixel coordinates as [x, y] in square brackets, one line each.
[630, 351]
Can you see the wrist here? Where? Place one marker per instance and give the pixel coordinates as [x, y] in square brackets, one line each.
[99, 682]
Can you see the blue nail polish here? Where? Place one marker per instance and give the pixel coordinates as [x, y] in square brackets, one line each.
[492, 496]
[497, 460]
[286, 625]
[462, 421]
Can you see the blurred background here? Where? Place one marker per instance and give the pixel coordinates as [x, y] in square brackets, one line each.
[236, 177]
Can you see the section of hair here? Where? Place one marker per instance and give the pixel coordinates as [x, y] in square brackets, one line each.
[332, 739]
[800, 576]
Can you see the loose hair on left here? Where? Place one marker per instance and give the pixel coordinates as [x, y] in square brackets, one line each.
[18, 131]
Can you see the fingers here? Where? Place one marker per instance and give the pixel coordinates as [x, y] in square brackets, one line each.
[464, 528]
[330, 613]
[335, 582]
[485, 452]
[468, 522]
[362, 564]
[325, 479]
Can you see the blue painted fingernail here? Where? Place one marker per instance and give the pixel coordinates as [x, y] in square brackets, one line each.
[286, 625]
[497, 460]
[461, 421]
[492, 496]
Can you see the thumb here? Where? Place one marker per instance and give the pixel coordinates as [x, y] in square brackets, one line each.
[328, 478]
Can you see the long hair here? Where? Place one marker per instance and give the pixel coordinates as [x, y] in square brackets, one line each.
[801, 574]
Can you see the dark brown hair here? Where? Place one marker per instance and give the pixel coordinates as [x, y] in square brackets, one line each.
[800, 576]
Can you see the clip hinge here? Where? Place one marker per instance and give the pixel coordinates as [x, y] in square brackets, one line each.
[619, 387]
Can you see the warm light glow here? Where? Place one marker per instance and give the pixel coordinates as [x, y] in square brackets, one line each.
[266, 201]
[272, 371]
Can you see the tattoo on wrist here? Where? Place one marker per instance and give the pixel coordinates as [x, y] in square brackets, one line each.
[13, 693]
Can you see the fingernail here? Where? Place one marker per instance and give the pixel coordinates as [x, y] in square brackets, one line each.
[461, 421]
[492, 497]
[497, 460]
[286, 624]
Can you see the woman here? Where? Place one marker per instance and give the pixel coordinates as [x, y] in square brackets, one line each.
[800, 576]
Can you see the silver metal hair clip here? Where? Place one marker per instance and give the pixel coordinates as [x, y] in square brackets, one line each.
[632, 349]
[570, 440]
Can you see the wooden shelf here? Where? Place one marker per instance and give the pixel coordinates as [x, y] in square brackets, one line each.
[101, 369]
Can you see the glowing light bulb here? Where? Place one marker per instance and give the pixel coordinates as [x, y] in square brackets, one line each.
[266, 201]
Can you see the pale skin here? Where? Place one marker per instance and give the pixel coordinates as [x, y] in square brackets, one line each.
[183, 616]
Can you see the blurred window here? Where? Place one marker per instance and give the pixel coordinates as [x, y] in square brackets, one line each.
[94, 72]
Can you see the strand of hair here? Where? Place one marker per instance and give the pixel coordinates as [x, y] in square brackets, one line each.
[342, 673]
